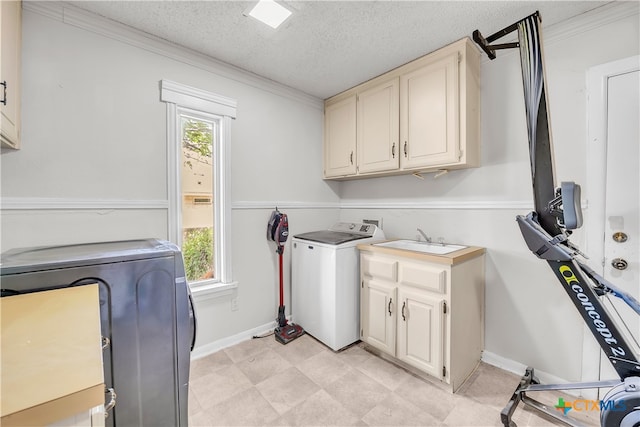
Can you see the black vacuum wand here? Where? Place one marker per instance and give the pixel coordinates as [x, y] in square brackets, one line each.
[278, 231]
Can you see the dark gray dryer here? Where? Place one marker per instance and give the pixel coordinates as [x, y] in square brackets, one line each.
[145, 310]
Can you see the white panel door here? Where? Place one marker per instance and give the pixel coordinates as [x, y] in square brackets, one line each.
[623, 191]
[614, 198]
[622, 201]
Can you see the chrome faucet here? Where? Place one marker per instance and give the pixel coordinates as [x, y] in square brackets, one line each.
[426, 238]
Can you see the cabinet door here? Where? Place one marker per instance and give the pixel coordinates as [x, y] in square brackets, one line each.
[10, 39]
[378, 128]
[378, 315]
[340, 138]
[420, 330]
[429, 115]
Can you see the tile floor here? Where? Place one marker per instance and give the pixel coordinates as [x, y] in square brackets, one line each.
[264, 383]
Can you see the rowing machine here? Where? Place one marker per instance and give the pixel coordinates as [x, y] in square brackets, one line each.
[546, 232]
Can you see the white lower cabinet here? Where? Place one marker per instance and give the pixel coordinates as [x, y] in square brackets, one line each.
[419, 341]
[379, 315]
[426, 316]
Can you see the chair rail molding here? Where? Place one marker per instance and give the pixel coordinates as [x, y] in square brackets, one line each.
[38, 203]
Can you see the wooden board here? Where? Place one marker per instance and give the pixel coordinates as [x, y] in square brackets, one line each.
[50, 352]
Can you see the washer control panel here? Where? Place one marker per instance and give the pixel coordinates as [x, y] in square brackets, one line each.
[356, 228]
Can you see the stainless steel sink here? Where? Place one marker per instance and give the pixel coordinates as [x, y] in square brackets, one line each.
[424, 247]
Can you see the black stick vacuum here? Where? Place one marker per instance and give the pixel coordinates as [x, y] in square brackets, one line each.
[278, 231]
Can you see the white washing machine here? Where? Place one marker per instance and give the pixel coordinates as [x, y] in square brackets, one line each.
[325, 291]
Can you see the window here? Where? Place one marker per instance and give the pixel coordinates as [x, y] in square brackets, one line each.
[198, 125]
[199, 136]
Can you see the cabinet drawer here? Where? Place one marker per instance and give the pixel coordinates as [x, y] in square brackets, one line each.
[380, 268]
[423, 276]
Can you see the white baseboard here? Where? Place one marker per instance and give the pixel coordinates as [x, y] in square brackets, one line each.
[519, 369]
[503, 363]
[210, 348]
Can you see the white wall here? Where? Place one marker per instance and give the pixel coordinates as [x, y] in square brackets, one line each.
[529, 318]
[93, 167]
[93, 164]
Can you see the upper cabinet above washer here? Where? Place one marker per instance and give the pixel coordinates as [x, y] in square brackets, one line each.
[340, 137]
[420, 117]
[377, 127]
[10, 56]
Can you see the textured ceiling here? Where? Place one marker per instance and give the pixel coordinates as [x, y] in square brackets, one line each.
[326, 47]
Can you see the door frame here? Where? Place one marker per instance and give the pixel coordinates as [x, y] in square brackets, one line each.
[597, 109]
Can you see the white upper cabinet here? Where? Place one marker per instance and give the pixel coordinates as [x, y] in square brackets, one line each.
[10, 56]
[429, 129]
[340, 138]
[423, 116]
[377, 128]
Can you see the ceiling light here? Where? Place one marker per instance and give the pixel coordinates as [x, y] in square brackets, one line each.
[270, 12]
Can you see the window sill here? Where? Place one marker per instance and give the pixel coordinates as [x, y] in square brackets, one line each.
[205, 291]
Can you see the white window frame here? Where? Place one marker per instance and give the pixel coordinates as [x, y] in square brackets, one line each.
[181, 98]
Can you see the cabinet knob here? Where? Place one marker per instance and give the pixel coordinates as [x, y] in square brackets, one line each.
[393, 151]
[405, 148]
[403, 316]
[351, 157]
[389, 306]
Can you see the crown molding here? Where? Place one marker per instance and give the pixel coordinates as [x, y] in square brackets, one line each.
[72, 15]
[587, 21]
[603, 15]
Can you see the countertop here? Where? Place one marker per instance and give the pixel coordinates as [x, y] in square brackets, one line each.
[451, 258]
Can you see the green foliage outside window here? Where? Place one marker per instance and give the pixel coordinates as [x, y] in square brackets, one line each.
[197, 243]
[197, 137]
[197, 250]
